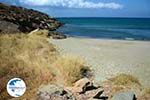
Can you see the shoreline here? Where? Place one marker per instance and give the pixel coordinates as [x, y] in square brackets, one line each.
[109, 57]
[87, 37]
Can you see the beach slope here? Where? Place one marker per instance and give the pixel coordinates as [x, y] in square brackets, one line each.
[108, 58]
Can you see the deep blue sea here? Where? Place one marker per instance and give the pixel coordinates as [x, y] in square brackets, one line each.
[107, 28]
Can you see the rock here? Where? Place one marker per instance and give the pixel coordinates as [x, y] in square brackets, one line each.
[59, 37]
[56, 35]
[8, 27]
[25, 20]
[95, 94]
[83, 85]
[124, 96]
[53, 92]
[100, 95]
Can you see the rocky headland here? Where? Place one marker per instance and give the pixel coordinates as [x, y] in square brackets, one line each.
[15, 19]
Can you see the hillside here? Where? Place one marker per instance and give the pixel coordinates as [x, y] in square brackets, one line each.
[18, 19]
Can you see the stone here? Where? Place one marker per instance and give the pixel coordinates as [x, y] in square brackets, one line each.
[53, 92]
[92, 95]
[97, 95]
[59, 37]
[85, 89]
[129, 95]
[83, 85]
[8, 27]
[56, 35]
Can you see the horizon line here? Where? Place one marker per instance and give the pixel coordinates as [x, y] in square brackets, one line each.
[103, 17]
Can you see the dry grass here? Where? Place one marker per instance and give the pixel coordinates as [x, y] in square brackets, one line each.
[122, 82]
[126, 80]
[146, 91]
[27, 57]
[70, 69]
[32, 58]
[145, 95]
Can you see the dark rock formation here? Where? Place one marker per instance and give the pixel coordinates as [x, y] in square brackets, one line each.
[19, 19]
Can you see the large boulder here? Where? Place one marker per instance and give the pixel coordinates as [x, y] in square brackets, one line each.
[19, 19]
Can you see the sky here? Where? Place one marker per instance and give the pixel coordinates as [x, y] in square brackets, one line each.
[87, 8]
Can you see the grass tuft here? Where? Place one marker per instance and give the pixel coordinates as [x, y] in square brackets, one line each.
[146, 91]
[70, 69]
[126, 80]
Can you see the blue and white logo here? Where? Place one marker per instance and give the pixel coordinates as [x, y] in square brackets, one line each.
[16, 87]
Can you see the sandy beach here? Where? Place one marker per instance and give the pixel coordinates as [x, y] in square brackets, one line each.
[110, 57]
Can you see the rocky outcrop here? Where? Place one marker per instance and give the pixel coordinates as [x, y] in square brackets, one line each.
[84, 89]
[18, 19]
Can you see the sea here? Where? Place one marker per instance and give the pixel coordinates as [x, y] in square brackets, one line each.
[107, 28]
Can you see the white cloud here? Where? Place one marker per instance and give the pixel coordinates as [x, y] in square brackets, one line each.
[72, 4]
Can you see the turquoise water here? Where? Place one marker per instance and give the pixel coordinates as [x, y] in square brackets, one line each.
[107, 28]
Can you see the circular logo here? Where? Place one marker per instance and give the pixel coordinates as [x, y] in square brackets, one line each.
[16, 87]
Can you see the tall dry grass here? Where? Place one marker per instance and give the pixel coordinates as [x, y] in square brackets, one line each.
[27, 57]
[125, 80]
[32, 58]
[70, 68]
